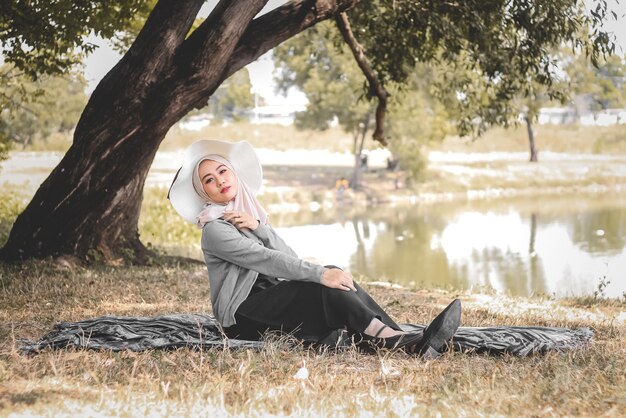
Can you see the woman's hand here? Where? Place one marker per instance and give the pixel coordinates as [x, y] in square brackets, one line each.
[241, 220]
[337, 279]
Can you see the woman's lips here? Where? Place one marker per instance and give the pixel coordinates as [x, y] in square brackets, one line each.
[225, 190]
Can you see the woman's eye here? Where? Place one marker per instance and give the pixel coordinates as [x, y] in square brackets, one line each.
[222, 171]
[208, 181]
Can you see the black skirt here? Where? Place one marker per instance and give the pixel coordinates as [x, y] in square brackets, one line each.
[306, 310]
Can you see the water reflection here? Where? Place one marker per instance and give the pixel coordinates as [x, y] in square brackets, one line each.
[557, 246]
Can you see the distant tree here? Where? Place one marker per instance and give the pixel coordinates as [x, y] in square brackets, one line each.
[234, 98]
[604, 85]
[35, 109]
[529, 116]
[92, 199]
[327, 74]
[5, 144]
[418, 116]
[528, 108]
[601, 85]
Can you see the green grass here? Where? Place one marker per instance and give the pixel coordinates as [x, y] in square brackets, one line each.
[12, 202]
[163, 230]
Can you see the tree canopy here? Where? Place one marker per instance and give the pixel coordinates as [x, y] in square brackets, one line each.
[329, 77]
[43, 39]
[489, 52]
[503, 46]
[49, 37]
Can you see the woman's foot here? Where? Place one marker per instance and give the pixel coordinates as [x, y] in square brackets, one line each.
[441, 330]
[378, 329]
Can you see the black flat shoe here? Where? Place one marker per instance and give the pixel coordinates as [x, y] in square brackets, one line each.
[428, 345]
[410, 343]
[440, 331]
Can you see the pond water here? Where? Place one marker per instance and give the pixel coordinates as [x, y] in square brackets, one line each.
[556, 246]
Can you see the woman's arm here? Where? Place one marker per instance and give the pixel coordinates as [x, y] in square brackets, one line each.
[224, 241]
[330, 277]
[272, 240]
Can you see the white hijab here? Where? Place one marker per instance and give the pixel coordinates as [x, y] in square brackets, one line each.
[244, 201]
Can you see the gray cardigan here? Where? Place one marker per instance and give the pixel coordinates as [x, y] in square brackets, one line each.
[235, 258]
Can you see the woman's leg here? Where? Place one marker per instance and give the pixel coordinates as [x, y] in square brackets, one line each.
[356, 310]
[313, 312]
[309, 310]
[376, 327]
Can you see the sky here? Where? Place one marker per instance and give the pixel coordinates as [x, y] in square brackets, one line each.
[261, 77]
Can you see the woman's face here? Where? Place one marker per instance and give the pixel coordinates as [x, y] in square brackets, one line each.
[218, 181]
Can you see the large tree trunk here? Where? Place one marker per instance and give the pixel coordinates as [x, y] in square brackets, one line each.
[92, 199]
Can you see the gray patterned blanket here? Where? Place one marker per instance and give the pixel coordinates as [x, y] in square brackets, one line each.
[197, 331]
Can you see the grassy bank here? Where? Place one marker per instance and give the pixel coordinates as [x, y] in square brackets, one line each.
[35, 295]
[593, 163]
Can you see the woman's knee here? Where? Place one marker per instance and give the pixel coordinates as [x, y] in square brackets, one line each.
[339, 296]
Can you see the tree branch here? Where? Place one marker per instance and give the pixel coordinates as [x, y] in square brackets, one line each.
[203, 57]
[150, 56]
[275, 27]
[219, 34]
[159, 39]
[376, 87]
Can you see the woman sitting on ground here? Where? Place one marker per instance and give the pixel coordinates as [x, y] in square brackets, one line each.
[257, 281]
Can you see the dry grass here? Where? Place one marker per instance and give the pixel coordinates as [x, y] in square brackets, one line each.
[555, 138]
[570, 139]
[185, 382]
[276, 137]
[520, 178]
[261, 136]
[58, 141]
